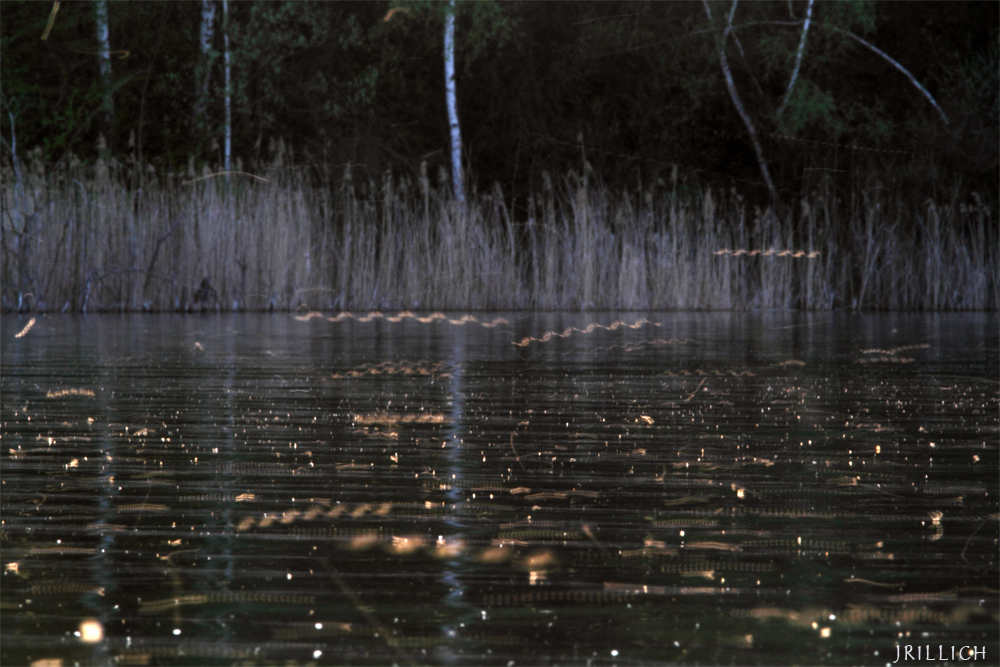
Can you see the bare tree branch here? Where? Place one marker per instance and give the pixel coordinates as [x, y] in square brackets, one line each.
[798, 57]
[735, 96]
[743, 57]
[895, 64]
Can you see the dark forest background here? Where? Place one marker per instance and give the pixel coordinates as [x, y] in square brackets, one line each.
[635, 87]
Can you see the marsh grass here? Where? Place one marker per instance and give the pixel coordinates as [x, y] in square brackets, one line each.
[79, 239]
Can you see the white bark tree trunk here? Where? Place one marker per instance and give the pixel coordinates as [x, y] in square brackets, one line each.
[205, 66]
[798, 59]
[229, 115]
[449, 85]
[104, 57]
[735, 96]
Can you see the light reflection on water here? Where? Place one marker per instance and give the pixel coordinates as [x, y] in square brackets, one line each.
[695, 488]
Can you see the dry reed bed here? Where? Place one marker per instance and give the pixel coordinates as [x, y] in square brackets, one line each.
[78, 239]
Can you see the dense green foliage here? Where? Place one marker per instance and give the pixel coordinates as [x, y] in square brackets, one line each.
[636, 85]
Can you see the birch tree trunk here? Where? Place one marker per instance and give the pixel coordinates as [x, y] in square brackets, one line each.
[798, 59]
[104, 57]
[449, 86]
[205, 65]
[735, 96]
[229, 115]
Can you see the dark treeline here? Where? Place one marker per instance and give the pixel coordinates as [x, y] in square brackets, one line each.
[657, 99]
[637, 85]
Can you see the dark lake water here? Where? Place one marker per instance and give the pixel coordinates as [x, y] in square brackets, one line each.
[692, 489]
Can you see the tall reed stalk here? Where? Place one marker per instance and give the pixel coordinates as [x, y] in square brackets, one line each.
[79, 239]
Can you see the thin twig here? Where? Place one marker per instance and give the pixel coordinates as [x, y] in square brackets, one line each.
[224, 173]
[735, 96]
[517, 457]
[695, 390]
[895, 64]
[968, 542]
[52, 20]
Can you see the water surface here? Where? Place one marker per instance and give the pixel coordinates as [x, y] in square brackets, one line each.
[658, 488]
